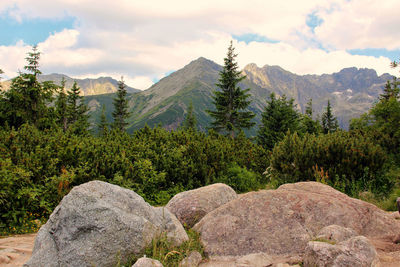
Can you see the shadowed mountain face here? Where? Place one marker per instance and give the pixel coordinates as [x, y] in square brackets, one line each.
[351, 92]
[102, 85]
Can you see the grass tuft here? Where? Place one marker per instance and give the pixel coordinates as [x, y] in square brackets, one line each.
[169, 255]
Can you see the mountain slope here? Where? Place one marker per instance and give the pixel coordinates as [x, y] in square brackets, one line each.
[166, 102]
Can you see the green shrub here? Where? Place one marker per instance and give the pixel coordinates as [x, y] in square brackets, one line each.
[240, 179]
[346, 161]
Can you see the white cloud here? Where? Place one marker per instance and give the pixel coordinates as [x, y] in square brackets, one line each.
[309, 61]
[361, 24]
[142, 40]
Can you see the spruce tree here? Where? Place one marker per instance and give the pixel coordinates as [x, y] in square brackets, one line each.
[27, 98]
[120, 113]
[190, 120]
[329, 121]
[391, 89]
[231, 101]
[77, 116]
[278, 117]
[61, 107]
[308, 124]
[103, 125]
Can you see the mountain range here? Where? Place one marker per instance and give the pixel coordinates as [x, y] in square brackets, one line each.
[351, 92]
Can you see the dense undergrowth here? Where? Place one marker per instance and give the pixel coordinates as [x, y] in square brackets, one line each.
[37, 168]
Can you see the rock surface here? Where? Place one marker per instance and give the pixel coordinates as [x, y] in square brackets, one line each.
[147, 262]
[281, 222]
[174, 230]
[193, 260]
[357, 251]
[190, 206]
[251, 260]
[94, 225]
[336, 233]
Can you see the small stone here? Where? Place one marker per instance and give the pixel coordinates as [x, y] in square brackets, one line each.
[147, 262]
[193, 260]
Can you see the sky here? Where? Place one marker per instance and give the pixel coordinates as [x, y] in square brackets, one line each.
[145, 40]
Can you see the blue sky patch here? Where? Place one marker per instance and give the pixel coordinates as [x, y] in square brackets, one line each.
[31, 31]
[252, 37]
[377, 52]
[156, 80]
[313, 21]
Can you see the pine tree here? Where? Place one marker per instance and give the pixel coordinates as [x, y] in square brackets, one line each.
[77, 117]
[329, 121]
[27, 98]
[103, 125]
[190, 119]
[391, 90]
[278, 117]
[231, 101]
[61, 107]
[308, 124]
[120, 113]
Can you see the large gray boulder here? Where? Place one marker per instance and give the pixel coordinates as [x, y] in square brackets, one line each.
[281, 222]
[356, 251]
[98, 224]
[190, 206]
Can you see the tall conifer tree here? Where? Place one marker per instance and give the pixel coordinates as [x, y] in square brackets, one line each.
[27, 98]
[329, 121]
[77, 111]
[103, 125]
[278, 117]
[120, 113]
[190, 119]
[231, 101]
[61, 107]
[308, 124]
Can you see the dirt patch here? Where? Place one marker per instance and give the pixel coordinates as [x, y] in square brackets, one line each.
[16, 250]
[388, 251]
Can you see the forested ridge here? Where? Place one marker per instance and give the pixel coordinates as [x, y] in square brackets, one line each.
[47, 147]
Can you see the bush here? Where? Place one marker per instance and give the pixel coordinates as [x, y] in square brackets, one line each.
[347, 161]
[240, 179]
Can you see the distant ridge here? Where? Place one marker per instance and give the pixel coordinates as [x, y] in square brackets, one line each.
[98, 86]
